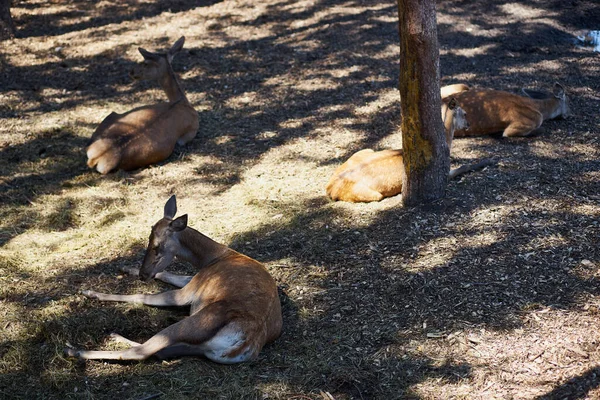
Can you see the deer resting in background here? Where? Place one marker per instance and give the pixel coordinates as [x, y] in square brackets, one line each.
[374, 175]
[147, 134]
[492, 111]
[233, 300]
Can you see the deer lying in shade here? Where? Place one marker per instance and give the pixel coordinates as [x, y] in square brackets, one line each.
[492, 111]
[147, 134]
[374, 175]
[233, 300]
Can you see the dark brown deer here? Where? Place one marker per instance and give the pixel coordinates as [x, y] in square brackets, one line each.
[492, 111]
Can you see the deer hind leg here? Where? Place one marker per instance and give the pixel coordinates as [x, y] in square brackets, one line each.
[162, 340]
[524, 128]
[228, 346]
[206, 332]
[188, 137]
[103, 155]
[363, 193]
[167, 277]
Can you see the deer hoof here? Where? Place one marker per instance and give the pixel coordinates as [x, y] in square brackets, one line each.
[130, 271]
[89, 293]
[69, 352]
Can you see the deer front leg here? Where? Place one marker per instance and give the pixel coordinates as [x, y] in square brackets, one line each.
[167, 277]
[524, 126]
[170, 298]
[517, 130]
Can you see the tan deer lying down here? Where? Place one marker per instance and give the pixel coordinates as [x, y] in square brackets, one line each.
[492, 111]
[374, 175]
[147, 134]
[449, 90]
[234, 305]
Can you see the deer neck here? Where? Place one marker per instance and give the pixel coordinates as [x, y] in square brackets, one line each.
[549, 108]
[449, 126]
[449, 123]
[199, 249]
[171, 86]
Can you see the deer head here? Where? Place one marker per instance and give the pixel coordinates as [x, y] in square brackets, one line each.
[563, 105]
[559, 106]
[155, 65]
[459, 116]
[163, 244]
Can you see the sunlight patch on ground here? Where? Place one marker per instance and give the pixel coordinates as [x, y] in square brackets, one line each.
[345, 72]
[71, 232]
[438, 252]
[590, 176]
[39, 249]
[490, 215]
[546, 243]
[242, 100]
[390, 52]
[317, 83]
[586, 209]
[526, 355]
[524, 12]
[9, 312]
[468, 52]
[357, 215]
[526, 68]
[578, 151]
[387, 98]
[464, 77]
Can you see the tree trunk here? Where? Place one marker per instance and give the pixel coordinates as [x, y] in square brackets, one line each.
[7, 27]
[426, 154]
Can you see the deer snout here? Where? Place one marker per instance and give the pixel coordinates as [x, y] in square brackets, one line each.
[146, 276]
[133, 74]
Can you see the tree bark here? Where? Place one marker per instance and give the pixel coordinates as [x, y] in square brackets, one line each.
[426, 154]
[7, 27]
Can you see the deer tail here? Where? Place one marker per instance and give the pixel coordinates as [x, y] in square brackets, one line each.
[102, 155]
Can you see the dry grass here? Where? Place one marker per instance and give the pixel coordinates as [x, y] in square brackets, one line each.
[490, 293]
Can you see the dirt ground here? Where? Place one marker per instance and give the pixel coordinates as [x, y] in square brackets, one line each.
[491, 293]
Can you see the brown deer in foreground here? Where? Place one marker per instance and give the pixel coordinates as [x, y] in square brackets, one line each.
[147, 134]
[492, 111]
[374, 175]
[234, 305]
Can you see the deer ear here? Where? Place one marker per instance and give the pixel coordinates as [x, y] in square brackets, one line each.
[179, 224]
[171, 207]
[559, 91]
[177, 46]
[147, 55]
[452, 104]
